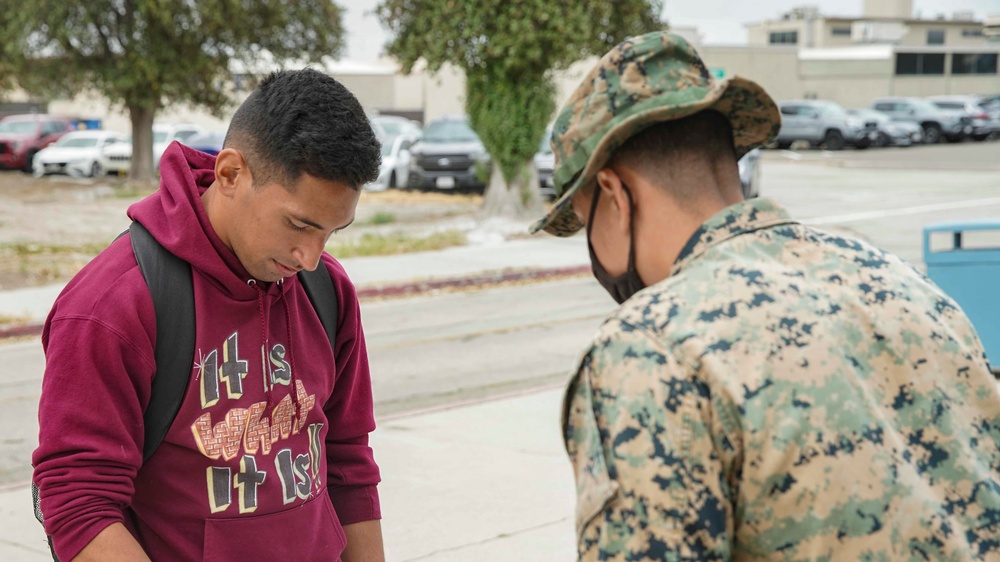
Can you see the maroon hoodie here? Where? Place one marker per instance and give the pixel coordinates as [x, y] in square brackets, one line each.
[268, 455]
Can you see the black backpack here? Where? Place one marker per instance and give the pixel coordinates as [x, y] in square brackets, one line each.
[169, 280]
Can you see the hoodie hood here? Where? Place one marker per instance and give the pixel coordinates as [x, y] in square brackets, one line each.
[176, 217]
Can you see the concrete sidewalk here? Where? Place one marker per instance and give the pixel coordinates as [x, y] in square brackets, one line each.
[488, 482]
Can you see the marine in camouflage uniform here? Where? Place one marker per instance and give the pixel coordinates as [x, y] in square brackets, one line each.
[785, 393]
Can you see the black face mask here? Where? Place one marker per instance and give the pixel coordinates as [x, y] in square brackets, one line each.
[623, 286]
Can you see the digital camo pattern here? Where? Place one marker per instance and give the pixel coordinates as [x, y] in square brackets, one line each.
[787, 394]
[644, 80]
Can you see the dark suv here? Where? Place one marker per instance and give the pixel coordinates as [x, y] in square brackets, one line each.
[447, 157]
[21, 136]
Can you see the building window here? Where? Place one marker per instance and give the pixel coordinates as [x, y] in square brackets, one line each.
[984, 63]
[935, 37]
[784, 37]
[841, 31]
[919, 63]
[967, 32]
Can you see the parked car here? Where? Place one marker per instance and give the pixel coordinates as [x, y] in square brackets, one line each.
[164, 134]
[983, 127]
[209, 142]
[395, 168]
[391, 126]
[935, 122]
[117, 157]
[749, 167]
[446, 157]
[22, 136]
[79, 153]
[822, 123]
[545, 163]
[889, 131]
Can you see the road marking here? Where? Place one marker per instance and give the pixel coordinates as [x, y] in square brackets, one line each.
[916, 210]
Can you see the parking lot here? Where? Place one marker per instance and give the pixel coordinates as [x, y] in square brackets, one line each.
[888, 195]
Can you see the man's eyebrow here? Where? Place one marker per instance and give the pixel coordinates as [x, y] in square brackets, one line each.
[308, 222]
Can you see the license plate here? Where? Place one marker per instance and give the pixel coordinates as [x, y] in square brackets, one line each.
[445, 182]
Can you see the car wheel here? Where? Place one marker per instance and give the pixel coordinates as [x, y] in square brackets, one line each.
[784, 145]
[932, 134]
[392, 181]
[96, 170]
[29, 160]
[834, 140]
[881, 140]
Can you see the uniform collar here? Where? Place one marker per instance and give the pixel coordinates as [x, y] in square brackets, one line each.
[743, 217]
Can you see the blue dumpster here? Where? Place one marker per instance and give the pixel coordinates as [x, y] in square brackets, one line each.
[970, 275]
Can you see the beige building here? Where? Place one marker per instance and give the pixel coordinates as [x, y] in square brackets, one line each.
[805, 54]
[884, 22]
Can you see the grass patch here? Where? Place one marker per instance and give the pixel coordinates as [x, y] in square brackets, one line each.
[382, 217]
[395, 243]
[29, 264]
[8, 319]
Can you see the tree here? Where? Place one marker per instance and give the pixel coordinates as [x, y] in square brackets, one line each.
[508, 50]
[147, 54]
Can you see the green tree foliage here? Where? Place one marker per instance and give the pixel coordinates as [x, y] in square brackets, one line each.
[508, 50]
[148, 54]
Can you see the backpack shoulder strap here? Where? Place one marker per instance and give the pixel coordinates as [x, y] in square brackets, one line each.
[319, 288]
[169, 280]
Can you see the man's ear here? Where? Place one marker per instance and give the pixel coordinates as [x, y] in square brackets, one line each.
[613, 190]
[231, 170]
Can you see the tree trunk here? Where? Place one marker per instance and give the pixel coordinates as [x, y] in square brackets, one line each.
[141, 169]
[518, 199]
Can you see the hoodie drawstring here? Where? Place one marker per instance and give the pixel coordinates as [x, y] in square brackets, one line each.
[293, 390]
[268, 384]
[291, 354]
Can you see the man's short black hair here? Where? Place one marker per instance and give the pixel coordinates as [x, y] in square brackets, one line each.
[305, 122]
[668, 147]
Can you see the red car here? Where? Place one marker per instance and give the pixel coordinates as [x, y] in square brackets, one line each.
[21, 136]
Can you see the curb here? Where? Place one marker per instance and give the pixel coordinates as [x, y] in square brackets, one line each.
[408, 289]
[418, 287]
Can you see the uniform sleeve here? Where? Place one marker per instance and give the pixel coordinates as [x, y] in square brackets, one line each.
[352, 474]
[94, 391]
[650, 485]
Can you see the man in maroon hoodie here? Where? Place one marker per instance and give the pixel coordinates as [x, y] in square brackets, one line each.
[268, 457]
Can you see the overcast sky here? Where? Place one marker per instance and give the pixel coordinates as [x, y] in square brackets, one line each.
[719, 21]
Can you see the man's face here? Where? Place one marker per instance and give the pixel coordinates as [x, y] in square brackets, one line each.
[609, 238]
[275, 232]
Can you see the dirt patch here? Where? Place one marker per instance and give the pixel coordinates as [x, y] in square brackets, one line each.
[51, 227]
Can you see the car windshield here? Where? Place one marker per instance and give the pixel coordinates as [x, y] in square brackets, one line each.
[546, 147]
[387, 146]
[391, 128]
[77, 142]
[18, 127]
[449, 131]
[159, 136]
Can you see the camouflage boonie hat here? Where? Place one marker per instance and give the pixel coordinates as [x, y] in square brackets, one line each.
[644, 80]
